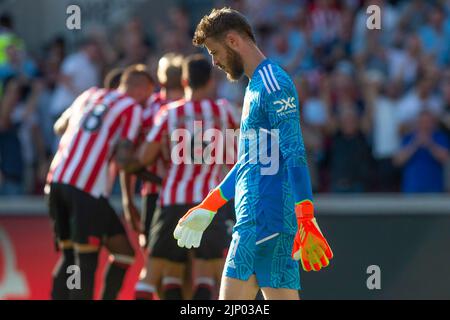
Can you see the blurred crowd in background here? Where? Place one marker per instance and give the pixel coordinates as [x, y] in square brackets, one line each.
[375, 104]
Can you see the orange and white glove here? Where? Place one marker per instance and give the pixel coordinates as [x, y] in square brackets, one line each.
[191, 226]
[310, 246]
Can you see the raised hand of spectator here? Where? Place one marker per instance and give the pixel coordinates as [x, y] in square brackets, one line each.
[423, 139]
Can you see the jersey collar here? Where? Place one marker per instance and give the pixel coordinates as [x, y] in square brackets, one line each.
[263, 63]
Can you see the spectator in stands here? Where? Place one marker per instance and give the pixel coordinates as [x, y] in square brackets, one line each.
[177, 33]
[409, 20]
[435, 36]
[423, 155]
[403, 62]
[381, 100]
[343, 94]
[349, 155]
[17, 62]
[7, 35]
[445, 87]
[132, 43]
[314, 118]
[21, 121]
[414, 100]
[326, 22]
[290, 45]
[78, 72]
[11, 157]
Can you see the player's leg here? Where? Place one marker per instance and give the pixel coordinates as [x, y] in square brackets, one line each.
[210, 258]
[276, 272]
[86, 258]
[150, 276]
[87, 231]
[121, 252]
[280, 294]
[204, 279]
[236, 289]
[166, 261]
[172, 281]
[60, 290]
[121, 257]
[147, 286]
[188, 276]
[60, 216]
[149, 205]
[238, 279]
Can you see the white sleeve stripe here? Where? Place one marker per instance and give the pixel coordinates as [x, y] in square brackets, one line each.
[147, 113]
[135, 123]
[273, 77]
[268, 78]
[152, 134]
[264, 80]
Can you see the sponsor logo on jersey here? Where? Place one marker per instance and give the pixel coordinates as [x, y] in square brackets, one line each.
[286, 105]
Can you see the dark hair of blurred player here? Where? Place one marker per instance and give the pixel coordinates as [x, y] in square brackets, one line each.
[77, 182]
[186, 183]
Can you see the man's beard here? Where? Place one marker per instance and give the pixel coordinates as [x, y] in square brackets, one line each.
[235, 65]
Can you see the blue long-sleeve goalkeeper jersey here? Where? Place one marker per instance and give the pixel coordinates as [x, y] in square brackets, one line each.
[271, 174]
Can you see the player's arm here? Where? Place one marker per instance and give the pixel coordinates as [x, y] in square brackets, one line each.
[127, 185]
[127, 157]
[61, 124]
[123, 155]
[149, 150]
[282, 109]
[191, 226]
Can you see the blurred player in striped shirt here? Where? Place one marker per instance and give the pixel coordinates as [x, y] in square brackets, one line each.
[100, 125]
[169, 78]
[178, 129]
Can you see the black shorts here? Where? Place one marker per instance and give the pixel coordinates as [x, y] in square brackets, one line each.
[80, 217]
[215, 240]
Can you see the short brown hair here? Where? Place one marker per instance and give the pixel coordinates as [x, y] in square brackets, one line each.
[218, 23]
[197, 71]
[169, 71]
[112, 78]
[134, 74]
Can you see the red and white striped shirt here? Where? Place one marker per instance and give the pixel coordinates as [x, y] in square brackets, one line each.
[99, 119]
[189, 182]
[159, 168]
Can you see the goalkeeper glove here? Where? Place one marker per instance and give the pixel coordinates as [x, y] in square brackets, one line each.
[310, 246]
[191, 226]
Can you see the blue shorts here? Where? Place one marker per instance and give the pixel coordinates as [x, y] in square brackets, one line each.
[269, 259]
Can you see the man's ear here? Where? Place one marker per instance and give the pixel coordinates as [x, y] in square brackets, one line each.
[232, 39]
[210, 85]
[184, 82]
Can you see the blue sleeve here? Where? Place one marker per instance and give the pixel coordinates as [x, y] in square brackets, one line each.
[227, 186]
[406, 140]
[442, 140]
[283, 112]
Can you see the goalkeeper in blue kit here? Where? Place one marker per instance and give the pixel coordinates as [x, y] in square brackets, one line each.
[275, 225]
